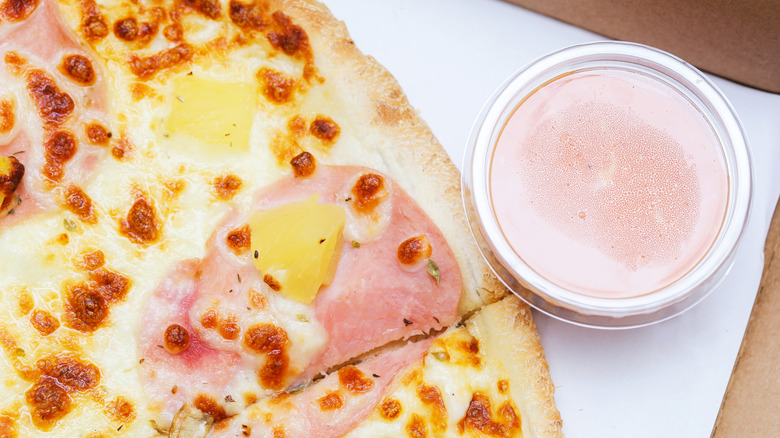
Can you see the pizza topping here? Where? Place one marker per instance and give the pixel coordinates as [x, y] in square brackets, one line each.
[431, 396]
[79, 68]
[416, 427]
[368, 192]
[354, 380]
[7, 115]
[209, 406]
[44, 322]
[85, 308]
[126, 29]
[227, 186]
[218, 113]
[70, 372]
[208, 8]
[53, 105]
[97, 134]
[503, 386]
[190, 422]
[331, 401]
[480, 418]
[276, 86]
[11, 173]
[272, 341]
[239, 240]
[146, 67]
[17, 10]
[173, 32]
[109, 284]
[299, 244]
[93, 25]
[390, 408]
[26, 301]
[77, 202]
[433, 271]
[7, 427]
[49, 403]
[414, 250]
[141, 225]
[59, 148]
[247, 16]
[176, 339]
[121, 409]
[325, 129]
[303, 164]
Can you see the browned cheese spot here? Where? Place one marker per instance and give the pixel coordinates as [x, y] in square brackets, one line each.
[79, 69]
[17, 10]
[44, 322]
[303, 164]
[173, 32]
[97, 134]
[146, 67]
[207, 8]
[93, 24]
[508, 415]
[48, 403]
[59, 148]
[78, 203]
[208, 405]
[26, 302]
[279, 432]
[272, 282]
[325, 129]
[120, 410]
[176, 339]
[415, 428]
[85, 309]
[8, 427]
[121, 148]
[272, 341]
[53, 106]
[368, 192]
[250, 16]
[229, 328]
[354, 380]
[276, 86]
[284, 148]
[141, 225]
[9, 182]
[91, 260]
[239, 240]
[479, 419]
[503, 386]
[70, 372]
[126, 28]
[331, 401]
[296, 125]
[225, 187]
[414, 250]
[257, 300]
[209, 319]
[431, 396]
[63, 239]
[390, 409]
[109, 284]
[288, 37]
[14, 63]
[7, 115]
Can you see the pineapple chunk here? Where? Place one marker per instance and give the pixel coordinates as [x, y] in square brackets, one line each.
[215, 112]
[297, 246]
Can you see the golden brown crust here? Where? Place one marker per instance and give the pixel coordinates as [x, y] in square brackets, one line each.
[507, 333]
[415, 159]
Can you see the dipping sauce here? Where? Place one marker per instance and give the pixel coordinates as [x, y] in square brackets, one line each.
[608, 183]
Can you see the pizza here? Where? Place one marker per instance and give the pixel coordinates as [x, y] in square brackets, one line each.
[220, 218]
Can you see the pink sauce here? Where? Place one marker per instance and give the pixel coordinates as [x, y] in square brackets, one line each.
[609, 183]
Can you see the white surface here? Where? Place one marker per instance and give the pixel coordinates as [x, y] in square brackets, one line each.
[665, 380]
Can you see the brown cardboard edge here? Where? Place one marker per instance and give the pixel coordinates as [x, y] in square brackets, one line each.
[736, 40]
[751, 404]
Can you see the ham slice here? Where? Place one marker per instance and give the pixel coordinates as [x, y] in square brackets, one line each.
[41, 100]
[265, 342]
[328, 409]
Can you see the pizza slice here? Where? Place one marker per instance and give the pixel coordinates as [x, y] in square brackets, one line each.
[487, 377]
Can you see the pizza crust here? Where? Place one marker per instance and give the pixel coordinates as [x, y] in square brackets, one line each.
[506, 332]
[414, 158]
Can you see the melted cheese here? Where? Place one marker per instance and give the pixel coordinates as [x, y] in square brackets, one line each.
[457, 374]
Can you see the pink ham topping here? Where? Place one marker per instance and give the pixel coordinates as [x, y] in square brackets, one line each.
[40, 53]
[331, 408]
[228, 310]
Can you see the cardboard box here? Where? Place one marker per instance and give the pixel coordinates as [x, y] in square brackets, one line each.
[739, 40]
